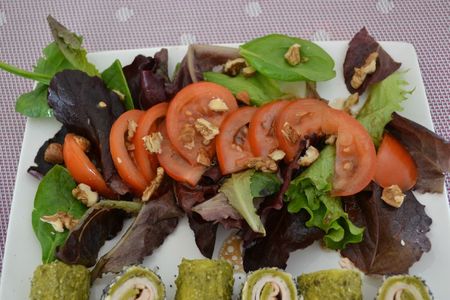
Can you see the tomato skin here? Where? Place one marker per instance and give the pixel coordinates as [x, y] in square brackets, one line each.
[174, 165]
[395, 166]
[82, 169]
[261, 135]
[121, 158]
[231, 159]
[145, 161]
[190, 104]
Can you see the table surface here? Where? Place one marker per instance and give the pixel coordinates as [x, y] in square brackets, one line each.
[110, 25]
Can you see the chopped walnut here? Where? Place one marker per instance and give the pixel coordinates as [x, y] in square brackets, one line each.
[207, 130]
[54, 153]
[234, 66]
[353, 99]
[82, 142]
[187, 136]
[290, 133]
[263, 164]
[346, 263]
[132, 126]
[60, 221]
[152, 142]
[393, 196]
[331, 140]
[84, 193]
[218, 105]
[292, 56]
[277, 155]
[310, 156]
[130, 146]
[203, 158]
[101, 104]
[154, 185]
[248, 71]
[369, 67]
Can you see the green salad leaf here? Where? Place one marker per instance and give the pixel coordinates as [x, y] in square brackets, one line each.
[239, 194]
[54, 195]
[266, 55]
[115, 80]
[264, 184]
[34, 104]
[384, 99]
[260, 89]
[39, 77]
[52, 62]
[311, 191]
[70, 45]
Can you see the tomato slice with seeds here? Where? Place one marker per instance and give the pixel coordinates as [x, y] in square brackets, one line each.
[261, 134]
[174, 165]
[355, 152]
[232, 144]
[81, 168]
[146, 161]
[189, 105]
[395, 165]
[123, 162]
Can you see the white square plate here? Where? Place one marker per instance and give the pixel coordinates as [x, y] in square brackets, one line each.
[23, 252]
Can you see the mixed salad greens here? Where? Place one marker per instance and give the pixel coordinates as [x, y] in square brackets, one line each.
[227, 140]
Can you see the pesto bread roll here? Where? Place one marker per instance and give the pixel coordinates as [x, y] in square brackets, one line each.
[404, 287]
[331, 285]
[268, 284]
[135, 282]
[204, 279]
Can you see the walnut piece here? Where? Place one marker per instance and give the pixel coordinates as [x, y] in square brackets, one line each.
[292, 56]
[60, 221]
[393, 196]
[85, 194]
[277, 155]
[82, 142]
[290, 133]
[152, 142]
[203, 158]
[54, 153]
[310, 156]
[218, 105]
[101, 104]
[248, 71]
[187, 135]
[234, 66]
[331, 140]
[207, 130]
[369, 67]
[132, 126]
[154, 185]
[263, 164]
[353, 99]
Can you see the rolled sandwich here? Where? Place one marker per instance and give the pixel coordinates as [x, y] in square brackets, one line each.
[331, 285]
[404, 287]
[268, 284]
[135, 283]
[204, 279]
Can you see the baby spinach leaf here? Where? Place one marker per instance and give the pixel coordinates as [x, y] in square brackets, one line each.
[52, 62]
[266, 55]
[70, 45]
[34, 104]
[115, 80]
[54, 195]
[260, 89]
[42, 78]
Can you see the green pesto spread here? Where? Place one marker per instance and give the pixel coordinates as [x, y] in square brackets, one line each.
[404, 287]
[269, 274]
[56, 281]
[330, 285]
[204, 279]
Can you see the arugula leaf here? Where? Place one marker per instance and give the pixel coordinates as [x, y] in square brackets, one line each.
[266, 55]
[34, 104]
[115, 80]
[70, 45]
[237, 190]
[264, 184]
[259, 88]
[384, 99]
[311, 191]
[54, 195]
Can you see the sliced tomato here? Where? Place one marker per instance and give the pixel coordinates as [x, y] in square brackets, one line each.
[122, 161]
[395, 166]
[145, 161]
[261, 134]
[232, 145]
[355, 152]
[81, 168]
[190, 104]
[175, 165]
